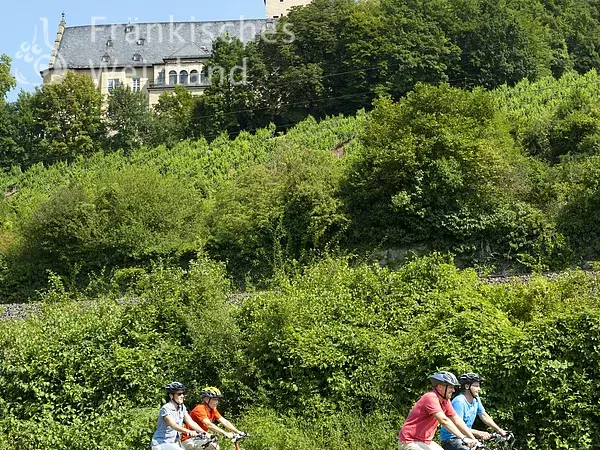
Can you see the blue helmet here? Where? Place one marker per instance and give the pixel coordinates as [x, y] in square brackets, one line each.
[447, 378]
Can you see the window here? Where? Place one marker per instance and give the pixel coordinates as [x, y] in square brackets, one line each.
[113, 83]
[172, 77]
[137, 57]
[141, 41]
[128, 28]
[194, 77]
[136, 85]
[160, 79]
[105, 58]
[109, 43]
[183, 77]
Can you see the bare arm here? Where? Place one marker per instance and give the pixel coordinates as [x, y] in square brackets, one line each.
[192, 423]
[456, 426]
[176, 427]
[481, 435]
[211, 426]
[227, 424]
[486, 419]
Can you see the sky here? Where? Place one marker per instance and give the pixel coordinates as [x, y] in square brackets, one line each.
[29, 26]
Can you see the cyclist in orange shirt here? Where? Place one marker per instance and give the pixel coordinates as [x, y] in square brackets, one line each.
[205, 414]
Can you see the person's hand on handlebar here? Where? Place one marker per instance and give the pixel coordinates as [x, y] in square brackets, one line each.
[469, 442]
[485, 436]
[503, 433]
[191, 433]
[228, 435]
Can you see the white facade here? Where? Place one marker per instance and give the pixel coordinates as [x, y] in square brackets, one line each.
[278, 8]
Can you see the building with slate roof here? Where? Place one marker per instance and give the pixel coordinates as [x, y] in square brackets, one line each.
[150, 57]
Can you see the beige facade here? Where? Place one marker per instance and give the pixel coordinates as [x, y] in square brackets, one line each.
[152, 81]
[148, 57]
[278, 8]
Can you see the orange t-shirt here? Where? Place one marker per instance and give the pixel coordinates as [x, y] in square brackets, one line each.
[198, 414]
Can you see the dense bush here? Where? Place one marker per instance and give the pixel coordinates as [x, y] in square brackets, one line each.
[325, 356]
[282, 210]
[554, 117]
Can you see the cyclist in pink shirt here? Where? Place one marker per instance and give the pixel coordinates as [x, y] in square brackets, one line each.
[433, 409]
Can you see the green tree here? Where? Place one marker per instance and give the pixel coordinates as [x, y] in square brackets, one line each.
[433, 167]
[576, 27]
[7, 129]
[237, 98]
[128, 119]
[500, 42]
[28, 131]
[68, 117]
[7, 81]
[174, 112]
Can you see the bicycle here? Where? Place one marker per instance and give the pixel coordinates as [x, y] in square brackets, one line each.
[238, 437]
[499, 442]
[203, 440]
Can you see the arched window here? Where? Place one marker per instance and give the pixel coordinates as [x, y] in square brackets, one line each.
[172, 77]
[183, 77]
[194, 78]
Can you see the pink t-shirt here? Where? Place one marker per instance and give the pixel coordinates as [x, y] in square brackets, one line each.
[420, 425]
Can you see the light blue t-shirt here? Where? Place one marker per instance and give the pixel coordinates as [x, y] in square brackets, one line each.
[164, 434]
[466, 411]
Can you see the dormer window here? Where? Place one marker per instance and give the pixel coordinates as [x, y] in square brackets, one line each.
[137, 57]
[128, 28]
[105, 58]
[141, 41]
[109, 43]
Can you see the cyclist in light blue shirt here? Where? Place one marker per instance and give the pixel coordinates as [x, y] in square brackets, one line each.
[171, 418]
[468, 406]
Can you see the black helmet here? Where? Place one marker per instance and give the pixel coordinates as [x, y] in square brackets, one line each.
[174, 386]
[469, 378]
[211, 392]
[444, 378]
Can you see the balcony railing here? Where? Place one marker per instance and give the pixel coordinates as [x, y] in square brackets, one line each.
[201, 81]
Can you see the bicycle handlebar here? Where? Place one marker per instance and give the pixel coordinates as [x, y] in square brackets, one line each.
[205, 439]
[498, 437]
[503, 442]
[239, 436]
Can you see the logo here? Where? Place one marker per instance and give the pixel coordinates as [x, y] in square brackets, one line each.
[34, 54]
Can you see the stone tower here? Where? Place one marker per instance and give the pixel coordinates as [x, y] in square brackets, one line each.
[277, 8]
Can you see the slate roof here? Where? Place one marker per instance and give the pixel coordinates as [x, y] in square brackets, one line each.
[115, 45]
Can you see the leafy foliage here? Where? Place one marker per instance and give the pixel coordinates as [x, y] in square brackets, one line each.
[325, 355]
[128, 119]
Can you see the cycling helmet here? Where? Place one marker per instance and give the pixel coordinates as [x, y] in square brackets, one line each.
[175, 386]
[444, 378]
[211, 392]
[469, 378]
